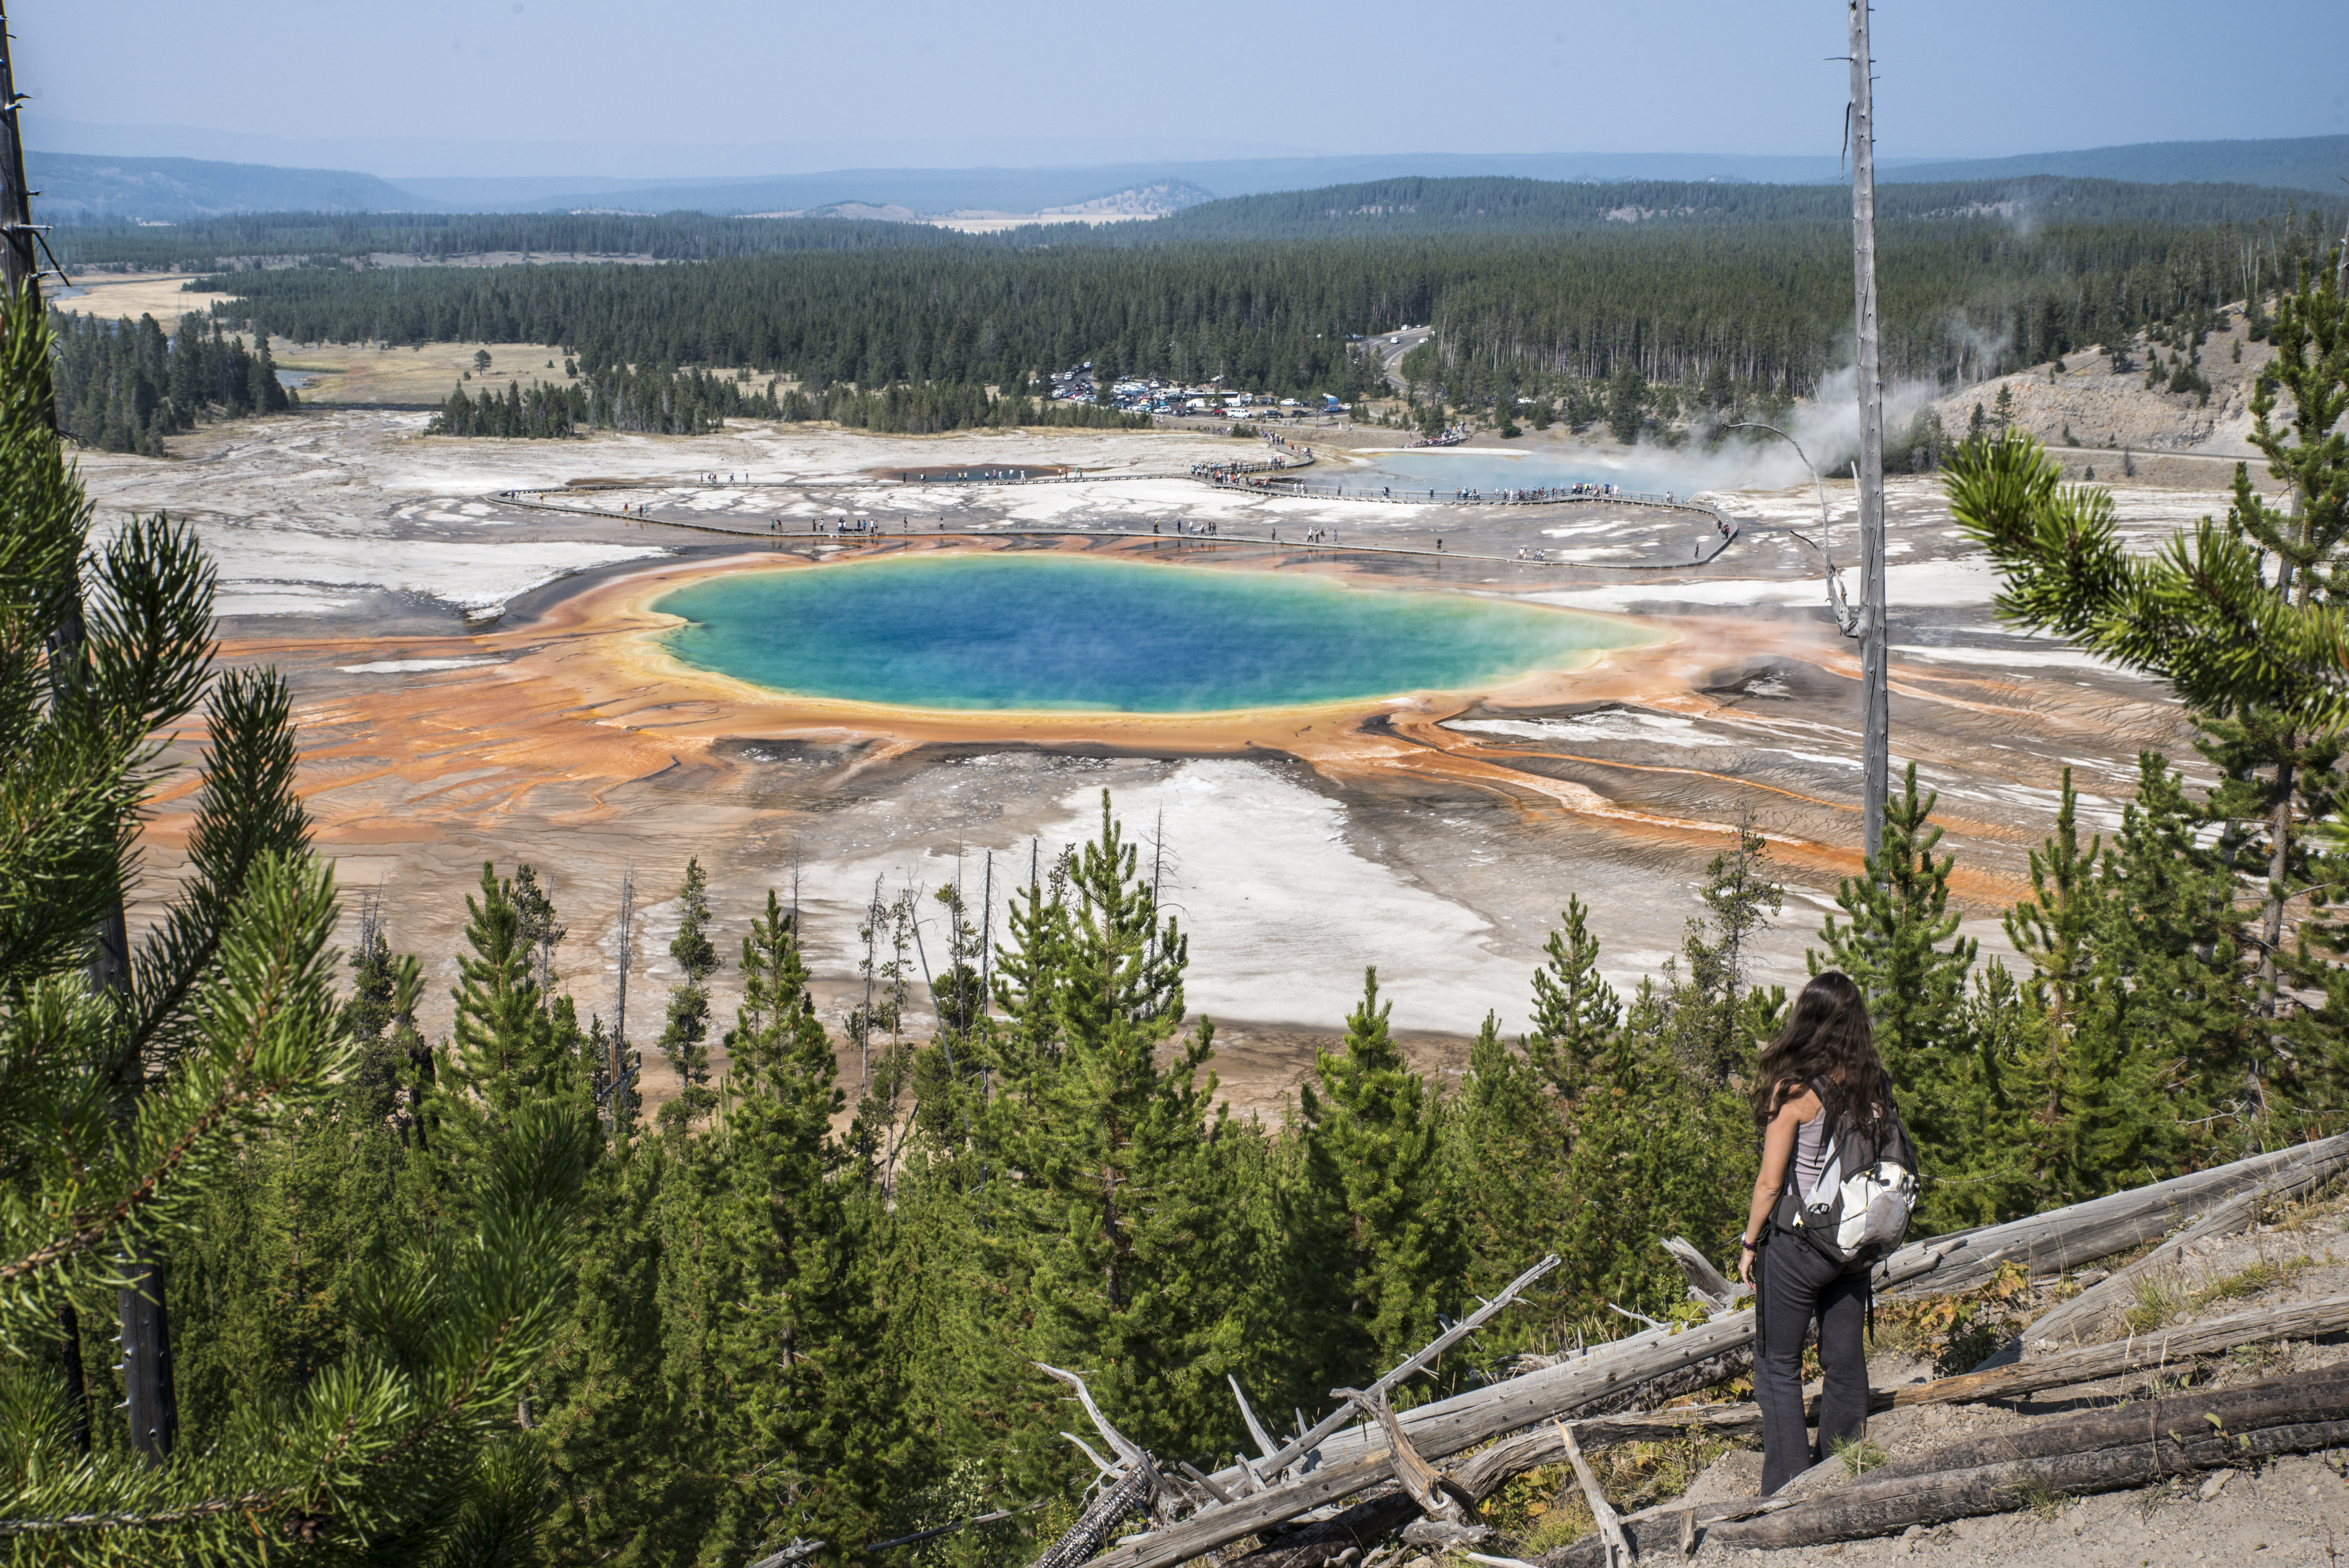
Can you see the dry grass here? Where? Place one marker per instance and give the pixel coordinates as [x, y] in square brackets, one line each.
[2163, 1298]
[2040, 1499]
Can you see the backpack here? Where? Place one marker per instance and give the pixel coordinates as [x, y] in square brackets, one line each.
[1859, 1208]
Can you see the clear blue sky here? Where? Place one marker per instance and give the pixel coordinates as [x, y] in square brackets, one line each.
[737, 86]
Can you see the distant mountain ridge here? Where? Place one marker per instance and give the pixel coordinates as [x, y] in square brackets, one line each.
[85, 188]
[79, 187]
[2314, 163]
[1504, 206]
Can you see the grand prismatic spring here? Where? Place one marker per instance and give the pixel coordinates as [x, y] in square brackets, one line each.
[1037, 633]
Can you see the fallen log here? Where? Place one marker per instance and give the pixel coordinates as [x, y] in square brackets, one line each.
[2300, 1320]
[1615, 1550]
[2278, 1401]
[2085, 1312]
[2081, 1233]
[1873, 1508]
[1334, 1460]
[1358, 1529]
[1993, 1474]
[1373, 1520]
[1127, 1495]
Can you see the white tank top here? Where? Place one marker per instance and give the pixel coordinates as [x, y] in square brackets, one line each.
[1810, 1153]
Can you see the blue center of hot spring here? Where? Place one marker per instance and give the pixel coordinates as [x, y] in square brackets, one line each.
[1011, 632]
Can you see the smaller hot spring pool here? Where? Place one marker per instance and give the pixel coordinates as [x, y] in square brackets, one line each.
[1488, 471]
[1057, 633]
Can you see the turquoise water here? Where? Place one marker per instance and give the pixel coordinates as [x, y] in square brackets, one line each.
[1011, 632]
[1490, 469]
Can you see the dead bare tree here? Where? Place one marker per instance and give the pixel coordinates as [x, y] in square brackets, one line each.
[1876, 775]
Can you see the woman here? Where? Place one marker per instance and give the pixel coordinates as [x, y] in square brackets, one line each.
[1821, 1073]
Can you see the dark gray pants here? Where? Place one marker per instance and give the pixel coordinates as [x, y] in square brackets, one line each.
[1798, 1286]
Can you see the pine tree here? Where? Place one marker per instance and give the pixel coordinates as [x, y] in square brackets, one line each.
[502, 1054]
[229, 1031]
[541, 932]
[1896, 917]
[1575, 1010]
[2255, 652]
[2181, 938]
[611, 1436]
[1370, 1157]
[1112, 1160]
[367, 1017]
[2097, 1084]
[2058, 929]
[1643, 1163]
[802, 1338]
[1715, 1016]
[684, 1040]
[1503, 1147]
[1627, 403]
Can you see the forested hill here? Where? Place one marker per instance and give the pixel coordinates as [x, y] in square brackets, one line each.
[1764, 304]
[1532, 206]
[275, 239]
[79, 188]
[1404, 206]
[2304, 163]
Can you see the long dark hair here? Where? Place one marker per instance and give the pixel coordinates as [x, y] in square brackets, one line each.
[1825, 1035]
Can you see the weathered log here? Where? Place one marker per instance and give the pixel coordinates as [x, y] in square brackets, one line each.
[1879, 1508]
[1100, 1519]
[1539, 1445]
[2084, 1233]
[1358, 1529]
[2278, 1401]
[1871, 1507]
[1304, 1444]
[1705, 1283]
[2085, 1312]
[1421, 1481]
[1617, 1550]
[2300, 1320]
[1993, 1475]
[1650, 1535]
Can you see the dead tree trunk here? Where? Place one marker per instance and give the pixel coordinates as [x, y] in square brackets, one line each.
[1872, 1508]
[2085, 1312]
[1118, 1500]
[2302, 1320]
[2096, 1450]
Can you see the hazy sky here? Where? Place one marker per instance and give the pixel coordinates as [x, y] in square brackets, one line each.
[739, 87]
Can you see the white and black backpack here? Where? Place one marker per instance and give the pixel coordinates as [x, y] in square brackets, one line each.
[1860, 1208]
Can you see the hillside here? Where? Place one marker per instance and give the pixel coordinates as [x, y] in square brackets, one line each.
[1480, 205]
[2302, 164]
[77, 188]
[1493, 205]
